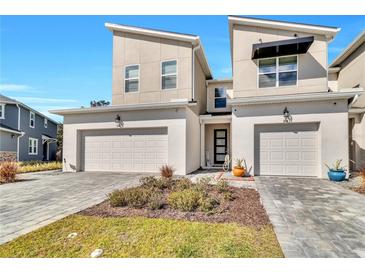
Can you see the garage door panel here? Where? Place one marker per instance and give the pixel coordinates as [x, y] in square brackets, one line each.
[143, 150]
[286, 151]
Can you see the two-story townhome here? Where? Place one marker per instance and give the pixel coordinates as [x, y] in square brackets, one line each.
[25, 134]
[347, 71]
[276, 112]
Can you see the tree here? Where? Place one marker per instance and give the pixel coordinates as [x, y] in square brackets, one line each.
[59, 142]
[100, 103]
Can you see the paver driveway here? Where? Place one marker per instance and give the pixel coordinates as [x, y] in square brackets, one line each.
[313, 217]
[45, 197]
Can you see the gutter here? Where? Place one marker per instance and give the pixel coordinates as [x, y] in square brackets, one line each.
[306, 97]
[169, 105]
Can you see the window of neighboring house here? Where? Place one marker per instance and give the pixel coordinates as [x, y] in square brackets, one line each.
[169, 74]
[45, 122]
[2, 111]
[220, 98]
[278, 72]
[32, 119]
[33, 146]
[131, 78]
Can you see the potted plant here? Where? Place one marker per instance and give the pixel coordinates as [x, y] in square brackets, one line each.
[238, 169]
[336, 173]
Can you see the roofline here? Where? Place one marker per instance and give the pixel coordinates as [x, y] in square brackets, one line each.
[11, 131]
[16, 102]
[127, 107]
[190, 38]
[213, 81]
[305, 97]
[194, 39]
[267, 23]
[349, 50]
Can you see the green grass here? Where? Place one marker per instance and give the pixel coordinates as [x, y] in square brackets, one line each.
[143, 237]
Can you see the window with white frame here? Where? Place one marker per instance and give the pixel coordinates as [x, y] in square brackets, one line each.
[2, 111]
[131, 78]
[32, 119]
[169, 74]
[220, 98]
[33, 146]
[45, 122]
[278, 71]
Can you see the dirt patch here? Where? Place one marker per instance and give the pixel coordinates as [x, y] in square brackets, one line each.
[246, 209]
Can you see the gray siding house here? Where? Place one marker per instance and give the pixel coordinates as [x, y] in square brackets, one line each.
[25, 134]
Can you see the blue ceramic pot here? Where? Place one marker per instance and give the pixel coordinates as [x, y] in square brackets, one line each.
[337, 175]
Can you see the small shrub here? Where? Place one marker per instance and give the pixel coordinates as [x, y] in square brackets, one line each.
[166, 171]
[8, 171]
[207, 204]
[202, 184]
[155, 182]
[182, 183]
[156, 201]
[362, 174]
[222, 186]
[31, 163]
[184, 200]
[228, 196]
[136, 197]
[33, 166]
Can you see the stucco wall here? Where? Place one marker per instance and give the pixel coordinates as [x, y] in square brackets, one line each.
[210, 96]
[312, 66]
[148, 52]
[192, 141]
[200, 87]
[333, 128]
[173, 119]
[353, 70]
[358, 138]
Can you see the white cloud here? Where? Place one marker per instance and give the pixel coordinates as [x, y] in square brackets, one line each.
[15, 87]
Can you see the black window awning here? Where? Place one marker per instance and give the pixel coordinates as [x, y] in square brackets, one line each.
[281, 48]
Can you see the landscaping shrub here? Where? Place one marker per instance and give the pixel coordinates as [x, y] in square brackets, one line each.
[182, 183]
[136, 197]
[8, 171]
[166, 171]
[222, 185]
[156, 201]
[207, 204]
[33, 166]
[202, 184]
[184, 200]
[155, 182]
[362, 174]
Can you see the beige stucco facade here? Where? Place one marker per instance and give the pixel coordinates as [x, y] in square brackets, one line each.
[312, 66]
[228, 85]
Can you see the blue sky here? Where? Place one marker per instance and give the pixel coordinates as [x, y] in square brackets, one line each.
[51, 62]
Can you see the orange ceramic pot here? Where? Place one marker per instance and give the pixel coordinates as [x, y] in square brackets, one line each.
[238, 171]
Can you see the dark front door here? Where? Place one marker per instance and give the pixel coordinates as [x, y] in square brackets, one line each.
[220, 145]
[45, 151]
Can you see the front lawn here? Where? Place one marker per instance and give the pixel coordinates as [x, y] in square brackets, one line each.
[144, 237]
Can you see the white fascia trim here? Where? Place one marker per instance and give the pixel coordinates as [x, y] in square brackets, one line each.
[177, 104]
[11, 131]
[334, 69]
[265, 23]
[157, 33]
[356, 110]
[218, 81]
[208, 118]
[349, 50]
[306, 97]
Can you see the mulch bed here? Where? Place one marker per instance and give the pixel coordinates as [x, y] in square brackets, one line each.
[246, 209]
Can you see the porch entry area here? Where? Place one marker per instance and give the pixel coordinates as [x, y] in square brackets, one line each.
[215, 141]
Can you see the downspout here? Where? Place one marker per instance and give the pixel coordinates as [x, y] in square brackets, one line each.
[195, 48]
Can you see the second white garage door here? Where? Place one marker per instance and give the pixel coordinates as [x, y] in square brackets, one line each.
[127, 150]
[288, 150]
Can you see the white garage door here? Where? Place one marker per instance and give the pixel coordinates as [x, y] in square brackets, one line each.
[135, 150]
[288, 150]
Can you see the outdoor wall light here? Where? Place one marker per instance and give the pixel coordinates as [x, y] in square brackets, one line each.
[118, 121]
[287, 115]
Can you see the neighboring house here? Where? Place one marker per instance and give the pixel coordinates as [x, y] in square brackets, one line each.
[348, 71]
[276, 112]
[25, 134]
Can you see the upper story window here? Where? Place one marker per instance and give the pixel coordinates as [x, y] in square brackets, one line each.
[220, 98]
[131, 78]
[169, 74]
[278, 71]
[32, 119]
[2, 111]
[33, 146]
[45, 122]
